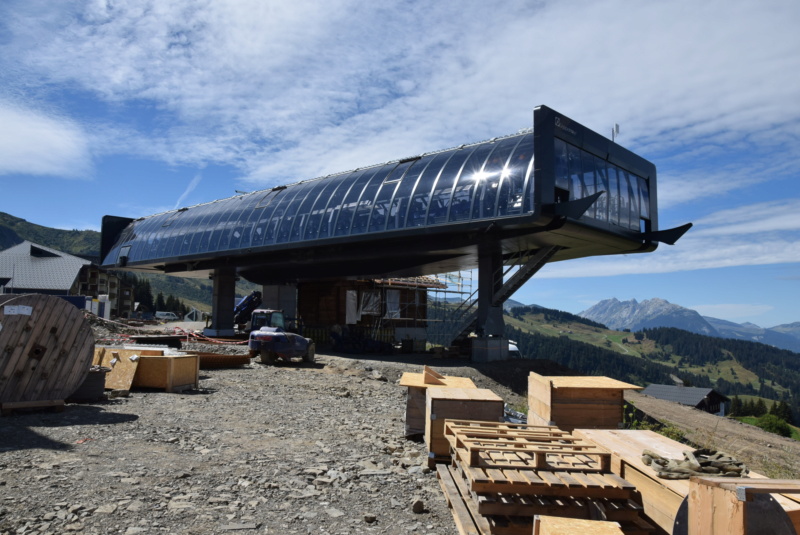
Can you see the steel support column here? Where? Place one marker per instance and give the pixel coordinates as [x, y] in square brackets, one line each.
[223, 302]
[490, 328]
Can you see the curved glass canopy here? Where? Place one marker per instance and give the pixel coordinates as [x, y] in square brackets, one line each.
[481, 181]
[487, 181]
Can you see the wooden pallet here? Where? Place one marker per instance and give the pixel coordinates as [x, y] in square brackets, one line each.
[514, 515]
[522, 446]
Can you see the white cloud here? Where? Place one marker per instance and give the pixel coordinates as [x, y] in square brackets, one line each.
[267, 87]
[37, 143]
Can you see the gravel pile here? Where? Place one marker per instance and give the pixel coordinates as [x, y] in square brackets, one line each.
[313, 448]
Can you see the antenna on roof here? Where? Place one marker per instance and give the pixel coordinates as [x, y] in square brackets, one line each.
[614, 132]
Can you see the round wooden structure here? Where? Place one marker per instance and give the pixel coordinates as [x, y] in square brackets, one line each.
[46, 348]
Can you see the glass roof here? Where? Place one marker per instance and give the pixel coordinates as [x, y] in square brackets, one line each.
[482, 181]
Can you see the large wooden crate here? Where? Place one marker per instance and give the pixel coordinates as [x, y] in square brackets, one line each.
[442, 403]
[576, 402]
[663, 499]
[417, 384]
[173, 373]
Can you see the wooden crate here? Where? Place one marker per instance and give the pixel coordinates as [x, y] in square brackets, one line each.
[442, 403]
[723, 505]
[576, 402]
[661, 498]
[417, 384]
[173, 373]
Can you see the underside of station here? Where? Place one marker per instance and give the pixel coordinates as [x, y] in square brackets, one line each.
[505, 207]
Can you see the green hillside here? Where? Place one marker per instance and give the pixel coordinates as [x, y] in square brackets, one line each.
[732, 367]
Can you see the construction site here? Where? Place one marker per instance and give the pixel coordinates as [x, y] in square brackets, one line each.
[206, 439]
[360, 390]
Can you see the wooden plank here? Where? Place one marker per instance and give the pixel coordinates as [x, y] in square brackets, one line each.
[461, 515]
[123, 369]
[418, 380]
[553, 525]
[7, 408]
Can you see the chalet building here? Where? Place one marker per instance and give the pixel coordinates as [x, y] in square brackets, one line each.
[31, 268]
[705, 399]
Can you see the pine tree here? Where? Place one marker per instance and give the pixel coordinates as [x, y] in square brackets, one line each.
[761, 407]
[736, 406]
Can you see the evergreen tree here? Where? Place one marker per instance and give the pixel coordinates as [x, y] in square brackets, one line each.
[736, 406]
[784, 412]
[160, 303]
[760, 408]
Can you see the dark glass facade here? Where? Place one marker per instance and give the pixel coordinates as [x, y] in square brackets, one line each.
[490, 181]
[475, 182]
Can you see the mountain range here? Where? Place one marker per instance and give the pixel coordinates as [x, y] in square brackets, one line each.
[653, 313]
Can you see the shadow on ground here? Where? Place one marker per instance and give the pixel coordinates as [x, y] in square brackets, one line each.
[18, 430]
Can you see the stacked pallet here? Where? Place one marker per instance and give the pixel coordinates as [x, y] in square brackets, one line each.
[503, 475]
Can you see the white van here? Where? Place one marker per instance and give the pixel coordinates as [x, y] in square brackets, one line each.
[167, 316]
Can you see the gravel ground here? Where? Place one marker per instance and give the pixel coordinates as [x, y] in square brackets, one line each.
[301, 448]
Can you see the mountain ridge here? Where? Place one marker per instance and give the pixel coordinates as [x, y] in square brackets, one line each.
[657, 312]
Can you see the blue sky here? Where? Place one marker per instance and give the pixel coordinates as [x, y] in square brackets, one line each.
[133, 108]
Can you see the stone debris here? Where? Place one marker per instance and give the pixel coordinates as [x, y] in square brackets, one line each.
[260, 449]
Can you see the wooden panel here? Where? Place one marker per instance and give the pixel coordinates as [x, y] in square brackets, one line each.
[46, 348]
[457, 403]
[123, 369]
[554, 525]
[170, 372]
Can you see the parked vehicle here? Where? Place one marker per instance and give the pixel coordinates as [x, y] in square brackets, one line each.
[270, 341]
[167, 316]
[244, 309]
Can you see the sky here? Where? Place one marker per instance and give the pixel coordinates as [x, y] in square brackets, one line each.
[131, 108]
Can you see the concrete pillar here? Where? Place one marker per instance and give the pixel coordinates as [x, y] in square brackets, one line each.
[223, 302]
[283, 297]
[491, 343]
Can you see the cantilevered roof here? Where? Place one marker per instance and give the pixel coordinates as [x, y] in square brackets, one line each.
[413, 216]
[35, 267]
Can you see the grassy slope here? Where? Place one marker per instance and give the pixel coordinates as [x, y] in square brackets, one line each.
[625, 343]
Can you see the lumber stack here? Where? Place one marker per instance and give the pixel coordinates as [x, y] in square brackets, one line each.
[666, 501]
[503, 475]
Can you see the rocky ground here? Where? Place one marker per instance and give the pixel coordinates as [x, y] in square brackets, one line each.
[302, 448]
[261, 449]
